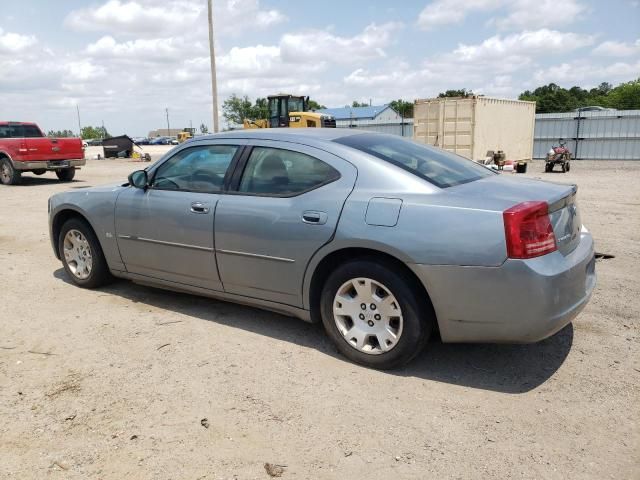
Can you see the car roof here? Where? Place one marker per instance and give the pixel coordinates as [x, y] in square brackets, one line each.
[290, 134]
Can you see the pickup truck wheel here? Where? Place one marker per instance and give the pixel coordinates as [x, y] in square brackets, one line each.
[82, 255]
[8, 174]
[66, 175]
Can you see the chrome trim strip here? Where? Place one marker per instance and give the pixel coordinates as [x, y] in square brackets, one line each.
[162, 242]
[256, 255]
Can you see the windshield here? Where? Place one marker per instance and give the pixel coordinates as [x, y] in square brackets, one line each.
[442, 168]
[296, 104]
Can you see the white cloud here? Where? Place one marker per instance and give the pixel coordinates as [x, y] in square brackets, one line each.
[617, 49]
[529, 14]
[587, 74]
[528, 43]
[540, 13]
[14, 42]
[320, 45]
[172, 17]
[157, 49]
[444, 12]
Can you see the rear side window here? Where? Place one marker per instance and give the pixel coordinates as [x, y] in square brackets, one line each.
[442, 168]
[273, 171]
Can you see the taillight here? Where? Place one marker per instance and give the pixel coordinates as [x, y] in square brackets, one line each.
[528, 230]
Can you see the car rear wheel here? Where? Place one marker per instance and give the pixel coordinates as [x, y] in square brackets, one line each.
[82, 255]
[373, 315]
[8, 174]
[66, 175]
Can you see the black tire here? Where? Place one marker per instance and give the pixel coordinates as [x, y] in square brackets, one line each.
[548, 167]
[41, 171]
[66, 174]
[564, 167]
[100, 274]
[8, 174]
[418, 317]
[568, 166]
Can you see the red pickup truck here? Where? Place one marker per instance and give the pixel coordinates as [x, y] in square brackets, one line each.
[24, 148]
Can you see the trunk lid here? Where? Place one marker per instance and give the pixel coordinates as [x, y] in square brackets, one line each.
[501, 192]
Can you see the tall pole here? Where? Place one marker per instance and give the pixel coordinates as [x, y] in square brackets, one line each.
[168, 126]
[214, 82]
[79, 127]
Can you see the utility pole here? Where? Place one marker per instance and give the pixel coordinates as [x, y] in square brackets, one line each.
[79, 127]
[214, 82]
[168, 126]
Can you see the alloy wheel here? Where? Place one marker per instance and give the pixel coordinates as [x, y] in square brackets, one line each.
[77, 254]
[368, 315]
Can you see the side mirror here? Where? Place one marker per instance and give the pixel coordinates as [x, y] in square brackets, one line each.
[139, 179]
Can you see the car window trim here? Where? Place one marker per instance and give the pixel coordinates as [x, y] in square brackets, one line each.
[227, 176]
[240, 170]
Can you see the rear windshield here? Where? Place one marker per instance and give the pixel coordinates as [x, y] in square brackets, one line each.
[442, 168]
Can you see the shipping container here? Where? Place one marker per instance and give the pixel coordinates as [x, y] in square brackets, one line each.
[473, 126]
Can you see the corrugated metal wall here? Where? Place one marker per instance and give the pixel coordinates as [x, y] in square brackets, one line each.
[606, 135]
[405, 129]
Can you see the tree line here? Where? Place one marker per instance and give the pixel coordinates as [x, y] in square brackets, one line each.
[552, 98]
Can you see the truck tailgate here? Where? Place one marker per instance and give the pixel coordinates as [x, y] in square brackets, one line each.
[43, 149]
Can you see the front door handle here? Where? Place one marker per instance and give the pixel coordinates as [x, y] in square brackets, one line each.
[199, 207]
[314, 217]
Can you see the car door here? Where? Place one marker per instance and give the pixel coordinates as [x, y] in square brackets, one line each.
[166, 230]
[283, 208]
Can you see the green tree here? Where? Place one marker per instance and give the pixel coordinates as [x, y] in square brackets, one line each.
[356, 104]
[625, 96]
[235, 109]
[60, 133]
[260, 109]
[313, 105]
[456, 93]
[204, 128]
[553, 98]
[402, 107]
[94, 132]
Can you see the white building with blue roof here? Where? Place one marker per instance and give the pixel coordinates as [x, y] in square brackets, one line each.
[377, 118]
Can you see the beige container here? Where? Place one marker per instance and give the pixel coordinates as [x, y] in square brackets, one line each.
[473, 126]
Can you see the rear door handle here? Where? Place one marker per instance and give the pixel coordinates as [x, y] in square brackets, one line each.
[314, 217]
[199, 207]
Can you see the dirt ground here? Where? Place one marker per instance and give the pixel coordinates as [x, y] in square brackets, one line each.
[134, 382]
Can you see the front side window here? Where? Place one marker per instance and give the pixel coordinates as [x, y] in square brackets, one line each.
[442, 168]
[197, 169]
[273, 171]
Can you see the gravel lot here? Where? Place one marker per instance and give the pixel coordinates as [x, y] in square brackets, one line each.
[134, 382]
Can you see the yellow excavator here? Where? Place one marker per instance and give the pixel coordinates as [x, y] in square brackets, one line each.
[291, 111]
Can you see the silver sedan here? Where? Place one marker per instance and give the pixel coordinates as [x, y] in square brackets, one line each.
[381, 239]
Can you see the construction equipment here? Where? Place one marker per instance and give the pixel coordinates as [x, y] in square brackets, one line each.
[186, 134]
[291, 111]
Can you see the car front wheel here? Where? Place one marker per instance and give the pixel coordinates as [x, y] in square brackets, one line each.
[82, 255]
[373, 315]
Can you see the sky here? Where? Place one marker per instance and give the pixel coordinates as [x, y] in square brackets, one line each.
[123, 62]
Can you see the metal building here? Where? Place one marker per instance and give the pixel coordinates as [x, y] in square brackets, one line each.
[374, 118]
[598, 135]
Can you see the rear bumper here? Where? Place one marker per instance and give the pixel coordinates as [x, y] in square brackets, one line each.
[49, 164]
[521, 301]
